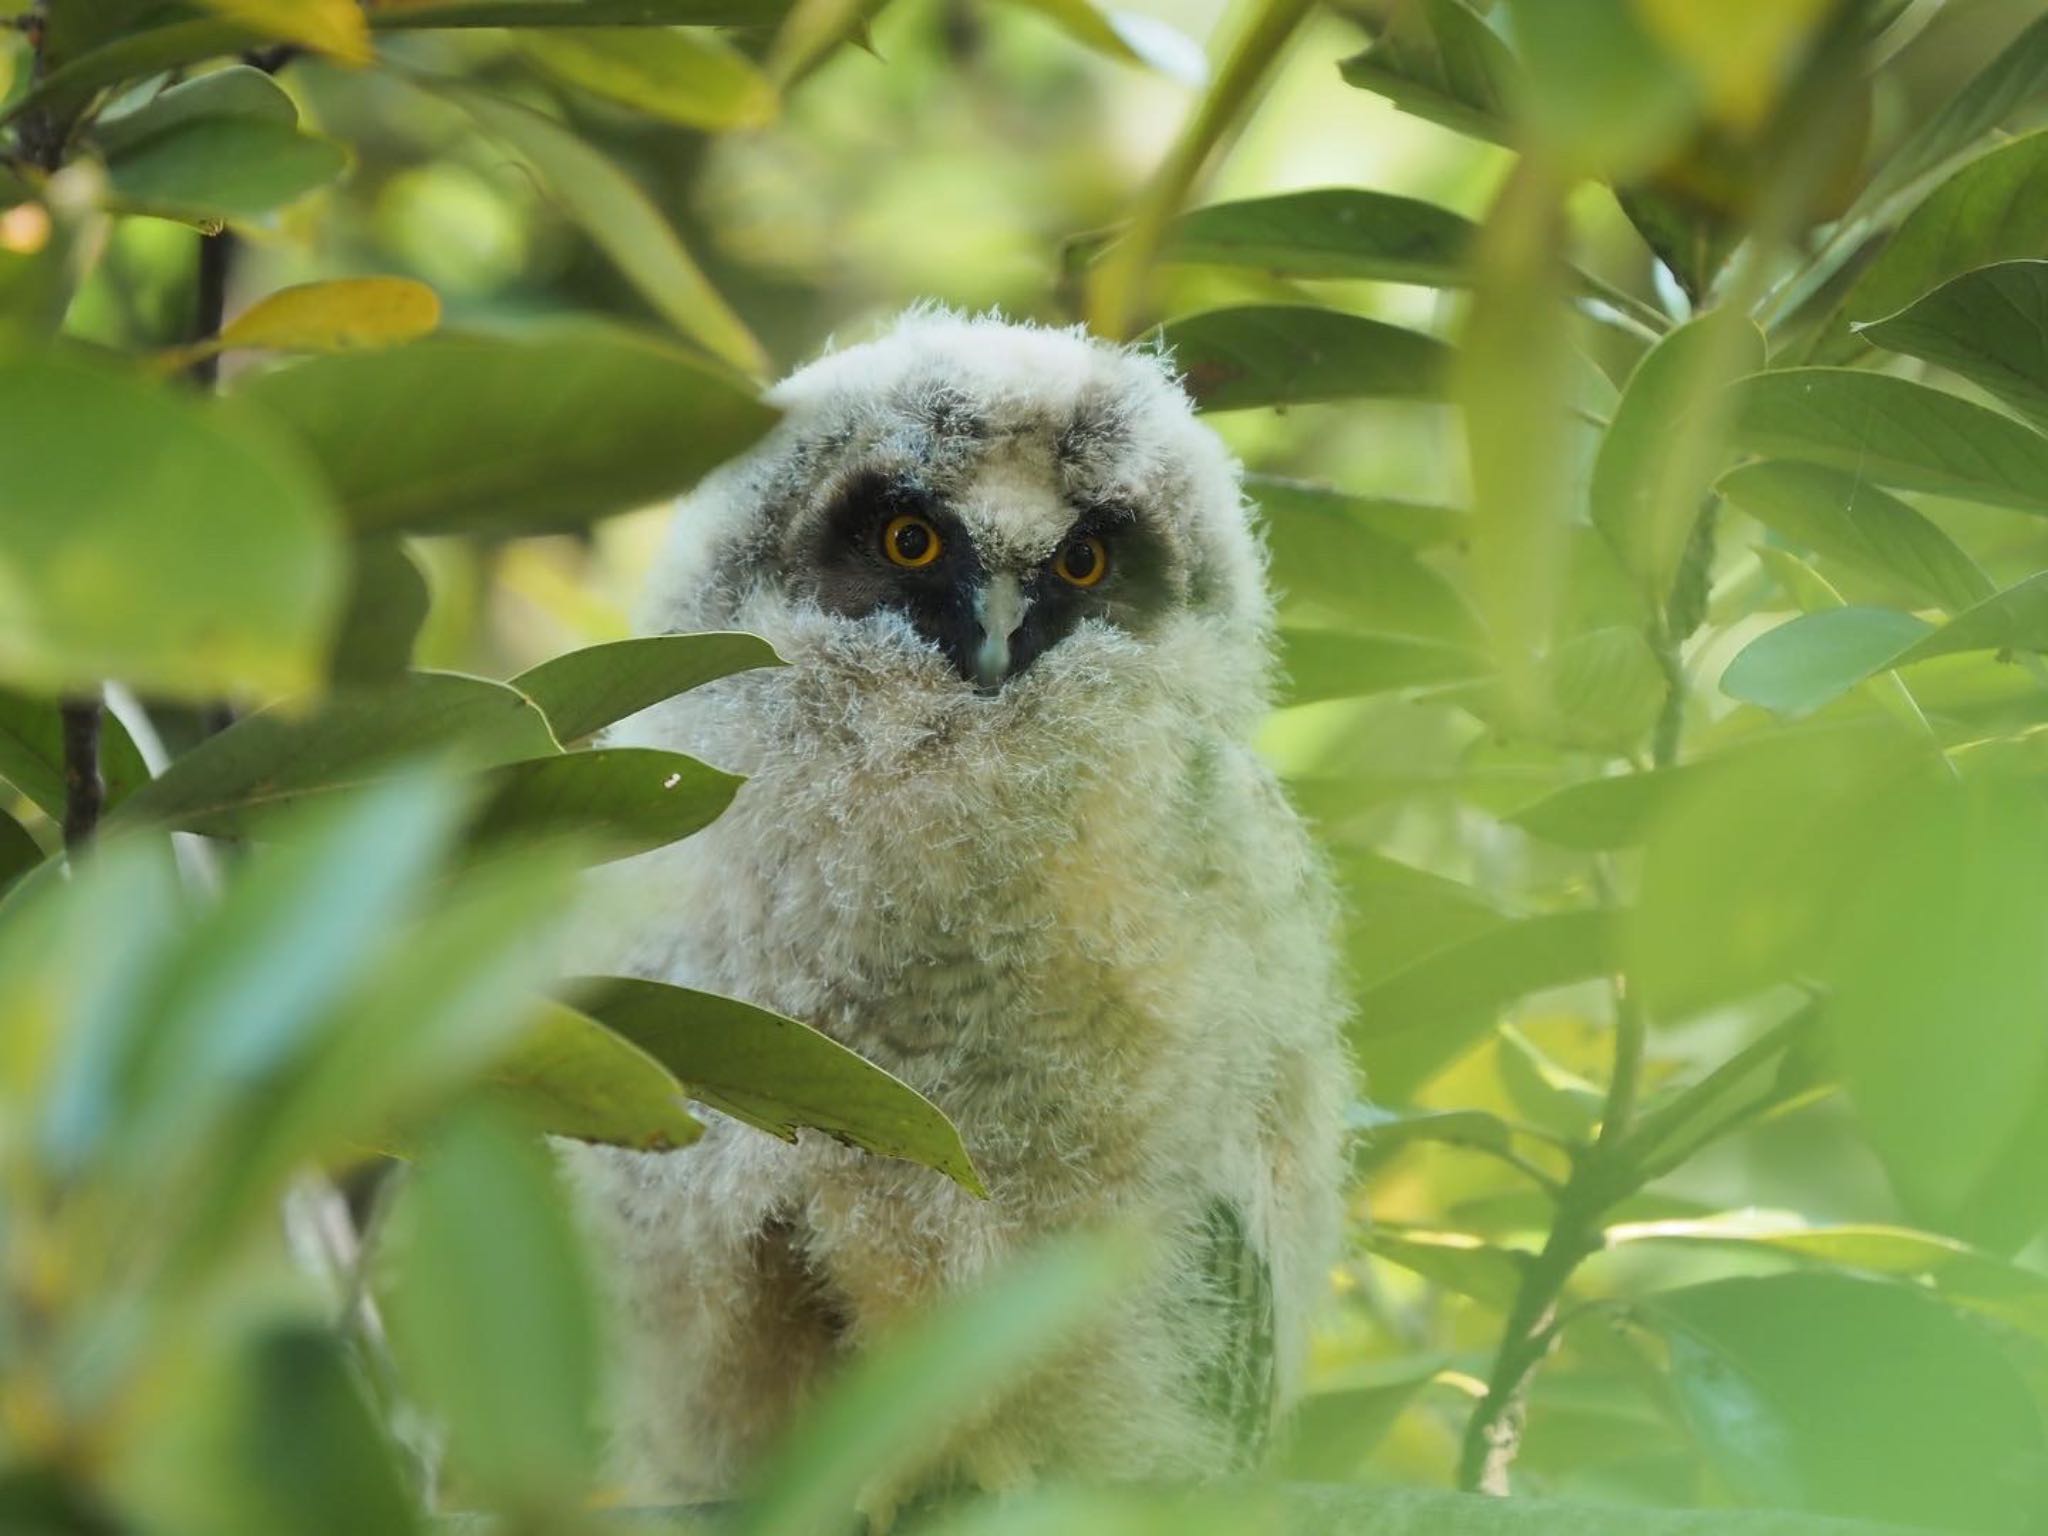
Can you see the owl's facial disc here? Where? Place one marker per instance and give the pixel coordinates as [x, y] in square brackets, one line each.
[888, 545]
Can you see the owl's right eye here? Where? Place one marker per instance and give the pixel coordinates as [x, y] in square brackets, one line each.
[909, 541]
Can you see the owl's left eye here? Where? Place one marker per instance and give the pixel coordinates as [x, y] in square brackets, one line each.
[1082, 561]
[911, 542]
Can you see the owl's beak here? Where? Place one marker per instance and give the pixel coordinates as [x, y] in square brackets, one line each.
[999, 610]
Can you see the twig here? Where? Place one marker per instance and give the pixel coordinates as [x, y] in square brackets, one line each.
[85, 792]
[210, 302]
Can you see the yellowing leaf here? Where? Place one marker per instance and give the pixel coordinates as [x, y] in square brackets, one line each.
[337, 316]
[334, 27]
[1741, 51]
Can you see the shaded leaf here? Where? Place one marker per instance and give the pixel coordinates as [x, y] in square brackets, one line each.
[1895, 432]
[1132, 37]
[493, 1318]
[474, 434]
[584, 691]
[238, 91]
[1412, 524]
[155, 538]
[613, 802]
[19, 853]
[693, 78]
[381, 614]
[1598, 89]
[273, 757]
[1663, 446]
[624, 223]
[1489, 971]
[1231, 359]
[1456, 1261]
[1332, 232]
[1990, 326]
[1841, 516]
[1854, 1397]
[215, 168]
[1603, 814]
[1332, 664]
[333, 27]
[776, 1074]
[32, 753]
[1439, 61]
[570, 1076]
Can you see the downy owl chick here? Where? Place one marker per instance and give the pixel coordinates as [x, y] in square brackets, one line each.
[1004, 834]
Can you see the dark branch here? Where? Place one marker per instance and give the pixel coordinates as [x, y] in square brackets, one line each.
[85, 792]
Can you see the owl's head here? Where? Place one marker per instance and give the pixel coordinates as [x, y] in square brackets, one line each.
[972, 507]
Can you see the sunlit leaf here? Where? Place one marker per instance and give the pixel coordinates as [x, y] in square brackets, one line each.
[695, 78]
[1603, 814]
[339, 315]
[1291, 355]
[1490, 971]
[1599, 90]
[1334, 664]
[584, 691]
[1841, 516]
[1895, 432]
[334, 27]
[1990, 326]
[471, 433]
[613, 802]
[147, 536]
[1133, 37]
[623, 221]
[274, 757]
[570, 1076]
[1455, 1260]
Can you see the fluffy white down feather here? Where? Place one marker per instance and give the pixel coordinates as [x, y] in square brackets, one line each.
[1079, 915]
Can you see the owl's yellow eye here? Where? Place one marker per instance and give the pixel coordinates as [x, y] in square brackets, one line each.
[1082, 562]
[910, 541]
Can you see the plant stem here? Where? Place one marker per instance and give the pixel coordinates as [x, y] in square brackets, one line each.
[85, 792]
[210, 302]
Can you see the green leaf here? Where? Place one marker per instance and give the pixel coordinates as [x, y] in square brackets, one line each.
[570, 1076]
[1332, 232]
[1816, 658]
[1456, 1261]
[1331, 664]
[215, 168]
[1604, 814]
[1439, 61]
[32, 753]
[1599, 91]
[1379, 1133]
[149, 536]
[335, 27]
[776, 1074]
[1232, 359]
[1841, 516]
[381, 615]
[275, 757]
[1993, 209]
[1335, 1429]
[235, 92]
[493, 1319]
[2016, 73]
[1664, 444]
[1412, 524]
[19, 853]
[1942, 927]
[1343, 573]
[1600, 692]
[1854, 1397]
[612, 803]
[468, 434]
[584, 691]
[1489, 971]
[877, 1424]
[1131, 37]
[623, 222]
[693, 78]
[1969, 1276]
[1990, 326]
[1895, 432]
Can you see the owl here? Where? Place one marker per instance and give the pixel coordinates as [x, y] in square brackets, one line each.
[1004, 833]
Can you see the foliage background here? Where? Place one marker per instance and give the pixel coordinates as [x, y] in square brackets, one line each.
[1702, 1008]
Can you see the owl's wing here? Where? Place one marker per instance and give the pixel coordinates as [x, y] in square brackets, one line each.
[1237, 1382]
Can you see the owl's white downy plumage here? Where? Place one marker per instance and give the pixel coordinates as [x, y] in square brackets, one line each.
[1004, 834]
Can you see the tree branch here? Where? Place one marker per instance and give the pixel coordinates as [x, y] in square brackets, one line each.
[85, 792]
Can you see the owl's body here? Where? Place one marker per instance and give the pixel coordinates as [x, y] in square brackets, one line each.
[1041, 877]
